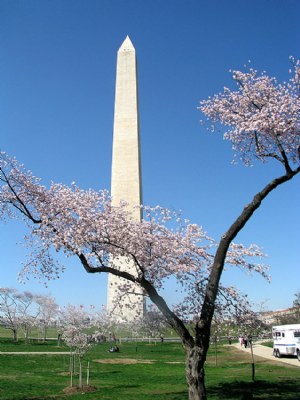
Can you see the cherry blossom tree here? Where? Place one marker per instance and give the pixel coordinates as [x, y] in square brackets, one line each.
[153, 323]
[74, 328]
[249, 324]
[47, 311]
[21, 311]
[105, 323]
[27, 311]
[84, 224]
[9, 310]
[261, 119]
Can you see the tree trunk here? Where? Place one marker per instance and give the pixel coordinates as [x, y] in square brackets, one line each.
[195, 358]
[26, 334]
[80, 372]
[253, 365]
[71, 368]
[45, 333]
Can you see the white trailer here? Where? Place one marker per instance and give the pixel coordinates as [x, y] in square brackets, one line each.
[286, 340]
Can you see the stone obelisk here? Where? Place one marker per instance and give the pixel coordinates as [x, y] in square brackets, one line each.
[126, 175]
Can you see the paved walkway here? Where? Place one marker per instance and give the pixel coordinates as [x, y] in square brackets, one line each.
[267, 352]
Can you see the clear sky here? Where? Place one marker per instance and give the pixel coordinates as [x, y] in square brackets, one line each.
[57, 77]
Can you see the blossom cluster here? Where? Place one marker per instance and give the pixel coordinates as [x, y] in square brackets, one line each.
[261, 117]
[84, 224]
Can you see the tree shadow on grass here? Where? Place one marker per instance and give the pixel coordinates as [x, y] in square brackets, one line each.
[264, 390]
[180, 395]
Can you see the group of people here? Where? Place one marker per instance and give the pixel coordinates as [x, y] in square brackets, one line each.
[114, 349]
[245, 340]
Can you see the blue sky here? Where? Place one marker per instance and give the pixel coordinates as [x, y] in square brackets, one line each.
[57, 76]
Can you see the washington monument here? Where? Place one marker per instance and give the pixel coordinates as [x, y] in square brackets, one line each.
[126, 176]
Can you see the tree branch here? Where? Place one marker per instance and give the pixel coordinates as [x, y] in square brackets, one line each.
[171, 318]
[227, 238]
[104, 268]
[22, 208]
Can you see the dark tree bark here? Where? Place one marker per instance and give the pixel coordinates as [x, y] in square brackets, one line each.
[195, 375]
[15, 335]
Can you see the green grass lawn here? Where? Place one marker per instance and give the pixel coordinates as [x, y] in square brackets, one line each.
[159, 374]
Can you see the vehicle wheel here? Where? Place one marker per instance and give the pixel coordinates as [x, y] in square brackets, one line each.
[274, 353]
[278, 353]
[298, 355]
